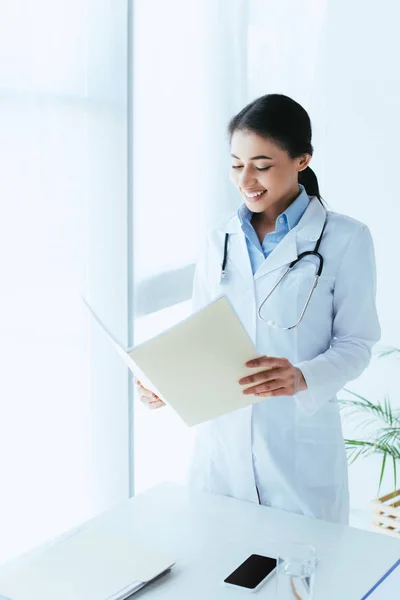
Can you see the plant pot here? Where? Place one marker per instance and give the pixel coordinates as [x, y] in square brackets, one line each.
[386, 517]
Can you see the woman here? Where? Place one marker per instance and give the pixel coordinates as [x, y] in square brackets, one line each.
[286, 451]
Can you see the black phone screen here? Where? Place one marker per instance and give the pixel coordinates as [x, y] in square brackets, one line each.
[251, 573]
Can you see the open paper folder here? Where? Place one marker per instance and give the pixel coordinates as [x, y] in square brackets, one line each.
[195, 366]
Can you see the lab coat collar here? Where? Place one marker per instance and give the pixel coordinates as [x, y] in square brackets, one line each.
[311, 224]
[233, 225]
[309, 228]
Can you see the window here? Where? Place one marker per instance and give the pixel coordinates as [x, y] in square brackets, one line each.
[188, 81]
[63, 417]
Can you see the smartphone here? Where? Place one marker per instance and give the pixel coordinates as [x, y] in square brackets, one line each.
[252, 573]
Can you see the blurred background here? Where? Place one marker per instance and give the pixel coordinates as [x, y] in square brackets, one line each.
[113, 155]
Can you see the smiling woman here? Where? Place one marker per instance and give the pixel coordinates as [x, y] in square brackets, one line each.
[286, 451]
[265, 173]
[271, 147]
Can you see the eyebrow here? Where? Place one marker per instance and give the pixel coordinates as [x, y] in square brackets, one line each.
[254, 157]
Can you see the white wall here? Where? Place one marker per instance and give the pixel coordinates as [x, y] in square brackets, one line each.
[340, 60]
[359, 79]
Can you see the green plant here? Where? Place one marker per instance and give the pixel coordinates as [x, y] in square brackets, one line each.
[389, 351]
[380, 426]
[384, 437]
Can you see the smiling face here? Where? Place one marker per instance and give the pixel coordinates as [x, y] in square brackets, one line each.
[264, 173]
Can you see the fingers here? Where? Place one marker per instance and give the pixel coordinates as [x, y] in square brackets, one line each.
[148, 397]
[276, 380]
[271, 394]
[266, 361]
[269, 375]
[276, 384]
[152, 402]
[144, 393]
[156, 404]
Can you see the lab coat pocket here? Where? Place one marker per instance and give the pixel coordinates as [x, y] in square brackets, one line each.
[322, 296]
[319, 314]
[319, 449]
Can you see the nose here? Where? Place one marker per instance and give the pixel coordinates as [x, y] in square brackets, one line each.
[247, 179]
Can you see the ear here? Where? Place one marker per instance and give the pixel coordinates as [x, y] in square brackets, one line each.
[303, 161]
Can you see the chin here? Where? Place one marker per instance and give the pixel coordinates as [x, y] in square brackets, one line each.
[256, 207]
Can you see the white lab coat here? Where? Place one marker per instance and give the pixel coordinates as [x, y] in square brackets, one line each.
[289, 451]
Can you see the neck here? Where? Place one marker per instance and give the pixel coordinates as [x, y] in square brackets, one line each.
[268, 217]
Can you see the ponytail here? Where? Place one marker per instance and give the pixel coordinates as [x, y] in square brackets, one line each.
[309, 180]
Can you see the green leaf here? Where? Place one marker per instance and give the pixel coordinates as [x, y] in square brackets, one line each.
[357, 448]
[378, 430]
[382, 471]
[365, 405]
[388, 352]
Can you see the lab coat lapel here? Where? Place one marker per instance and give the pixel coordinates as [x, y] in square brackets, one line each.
[238, 256]
[283, 254]
[309, 228]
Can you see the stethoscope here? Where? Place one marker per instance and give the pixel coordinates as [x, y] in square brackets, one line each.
[314, 252]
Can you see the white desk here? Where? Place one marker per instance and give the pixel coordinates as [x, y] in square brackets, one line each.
[210, 535]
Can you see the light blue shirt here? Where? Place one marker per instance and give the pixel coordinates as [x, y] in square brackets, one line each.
[284, 223]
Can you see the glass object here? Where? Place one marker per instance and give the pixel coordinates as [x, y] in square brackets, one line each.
[295, 572]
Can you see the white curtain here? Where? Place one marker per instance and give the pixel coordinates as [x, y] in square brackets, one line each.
[63, 229]
[189, 79]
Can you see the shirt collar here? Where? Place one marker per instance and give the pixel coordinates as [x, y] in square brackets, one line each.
[291, 216]
[297, 209]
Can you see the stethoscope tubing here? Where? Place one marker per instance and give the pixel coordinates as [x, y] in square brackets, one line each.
[314, 252]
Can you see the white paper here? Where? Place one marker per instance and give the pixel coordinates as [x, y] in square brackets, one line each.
[388, 588]
[195, 366]
[123, 353]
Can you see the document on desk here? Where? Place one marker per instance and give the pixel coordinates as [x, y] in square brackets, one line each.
[195, 366]
[93, 564]
[387, 587]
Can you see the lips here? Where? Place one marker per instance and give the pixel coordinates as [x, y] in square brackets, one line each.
[253, 193]
[256, 196]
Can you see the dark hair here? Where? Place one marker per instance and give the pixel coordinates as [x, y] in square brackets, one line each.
[284, 121]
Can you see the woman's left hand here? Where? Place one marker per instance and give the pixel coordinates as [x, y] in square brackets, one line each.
[280, 378]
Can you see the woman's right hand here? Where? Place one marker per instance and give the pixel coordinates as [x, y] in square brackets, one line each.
[148, 398]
